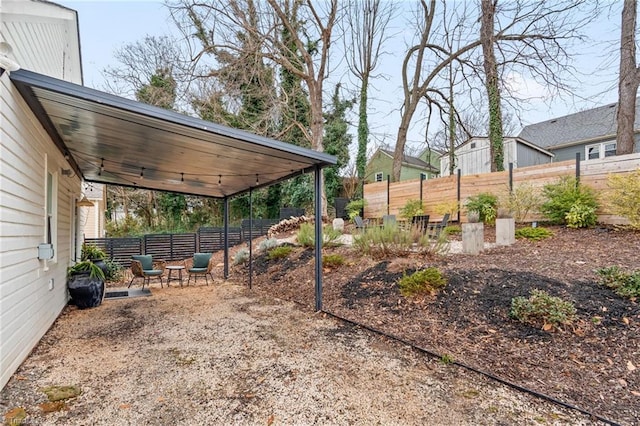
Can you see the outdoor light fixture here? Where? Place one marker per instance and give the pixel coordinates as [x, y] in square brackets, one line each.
[84, 202]
[181, 177]
[6, 63]
[219, 180]
[257, 180]
[101, 167]
[142, 173]
[66, 172]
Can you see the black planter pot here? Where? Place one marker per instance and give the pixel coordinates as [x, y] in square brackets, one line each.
[85, 291]
[100, 263]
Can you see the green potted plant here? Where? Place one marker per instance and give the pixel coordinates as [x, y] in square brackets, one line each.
[85, 282]
[96, 255]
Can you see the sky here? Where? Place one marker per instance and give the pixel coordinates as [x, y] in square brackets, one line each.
[106, 26]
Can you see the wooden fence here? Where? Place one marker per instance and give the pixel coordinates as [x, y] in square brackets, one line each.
[388, 198]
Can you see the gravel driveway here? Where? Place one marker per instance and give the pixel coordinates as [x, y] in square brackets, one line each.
[223, 355]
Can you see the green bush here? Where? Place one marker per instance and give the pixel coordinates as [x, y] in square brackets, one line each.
[523, 199]
[543, 310]
[623, 283]
[453, 229]
[92, 252]
[332, 260]
[425, 281]
[562, 195]
[581, 216]
[241, 256]
[280, 252]
[533, 234]
[411, 208]
[624, 196]
[307, 236]
[267, 244]
[485, 204]
[355, 207]
[115, 272]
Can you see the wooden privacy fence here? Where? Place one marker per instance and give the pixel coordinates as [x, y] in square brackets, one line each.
[388, 198]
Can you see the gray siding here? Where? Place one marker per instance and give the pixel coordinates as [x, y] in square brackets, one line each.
[528, 156]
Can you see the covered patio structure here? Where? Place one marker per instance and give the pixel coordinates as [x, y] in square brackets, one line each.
[112, 140]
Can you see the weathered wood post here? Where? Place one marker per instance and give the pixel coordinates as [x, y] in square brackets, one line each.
[472, 234]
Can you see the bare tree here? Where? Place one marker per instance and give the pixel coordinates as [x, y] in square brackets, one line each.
[629, 79]
[304, 52]
[367, 22]
[531, 36]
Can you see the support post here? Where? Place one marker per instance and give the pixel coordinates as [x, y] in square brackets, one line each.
[577, 169]
[318, 234]
[458, 192]
[388, 192]
[226, 238]
[250, 237]
[510, 177]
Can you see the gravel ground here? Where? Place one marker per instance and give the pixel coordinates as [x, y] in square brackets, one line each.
[223, 355]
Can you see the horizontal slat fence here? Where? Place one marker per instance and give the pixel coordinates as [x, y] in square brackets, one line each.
[170, 246]
[212, 239]
[259, 228]
[444, 190]
[119, 250]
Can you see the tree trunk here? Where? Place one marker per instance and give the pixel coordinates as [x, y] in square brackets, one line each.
[487, 38]
[629, 79]
[363, 134]
[317, 132]
[398, 154]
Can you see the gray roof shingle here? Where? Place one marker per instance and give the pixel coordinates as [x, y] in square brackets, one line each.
[579, 127]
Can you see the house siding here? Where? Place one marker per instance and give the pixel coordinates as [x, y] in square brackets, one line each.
[33, 292]
[383, 163]
[569, 152]
[528, 156]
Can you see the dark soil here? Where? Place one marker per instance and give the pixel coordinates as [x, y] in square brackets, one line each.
[593, 364]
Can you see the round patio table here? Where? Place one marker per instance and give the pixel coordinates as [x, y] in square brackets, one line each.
[172, 268]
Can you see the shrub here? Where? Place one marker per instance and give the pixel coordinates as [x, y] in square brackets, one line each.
[241, 256]
[332, 260]
[425, 281]
[624, 196]
[543, 310]
[581, 216]
[450, 207]
[115, 272]
[523, 199]
[623, 283]
[411, 208]
[267, 244]
[307, 236]
[280, 252]
[485, 204]
[391, 240]
[562, 195]
[354, 208]
[91, 252]
[533, 234]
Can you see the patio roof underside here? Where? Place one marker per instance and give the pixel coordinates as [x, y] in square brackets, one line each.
[113, 140]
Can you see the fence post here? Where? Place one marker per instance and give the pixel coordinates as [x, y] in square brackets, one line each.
[459, 191]
[421, 179]
[577, 169]
[510, 177]
[388, 194]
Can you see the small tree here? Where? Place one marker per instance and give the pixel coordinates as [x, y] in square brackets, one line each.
[563, 195]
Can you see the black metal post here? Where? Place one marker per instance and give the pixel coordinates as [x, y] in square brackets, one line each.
[226, 238]
[421, 180]
[250, 237]
[510, 177]
[388, 192]
[459, 192]
[577, 169]
[318, 234]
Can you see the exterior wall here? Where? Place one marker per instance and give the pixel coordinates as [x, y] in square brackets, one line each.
[92, 222]
[383, 163]
[569, 153]
[477, 160]
[44, 38]
[33, 292]
[430, 157]
[527, 156]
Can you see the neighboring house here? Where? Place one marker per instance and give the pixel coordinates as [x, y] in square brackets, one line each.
[38, 191]
[381, 165]
[92, 218]
[591, 133]
[474, 157]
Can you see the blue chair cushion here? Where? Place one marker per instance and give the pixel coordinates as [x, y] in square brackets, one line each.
[197, 270]
[201, 260]
[146, 260]
[152, 272]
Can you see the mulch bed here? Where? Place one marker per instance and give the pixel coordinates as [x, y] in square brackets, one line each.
[593, 364]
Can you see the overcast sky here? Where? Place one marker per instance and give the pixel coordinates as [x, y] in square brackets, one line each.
[106, 26]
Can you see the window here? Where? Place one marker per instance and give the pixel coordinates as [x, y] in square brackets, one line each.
[379, 177]
[600, 150]
[51, 216]
[472, 145]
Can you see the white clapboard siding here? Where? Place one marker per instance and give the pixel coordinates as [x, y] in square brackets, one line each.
[44, 39]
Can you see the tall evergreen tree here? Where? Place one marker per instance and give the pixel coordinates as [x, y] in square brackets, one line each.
[336, 141]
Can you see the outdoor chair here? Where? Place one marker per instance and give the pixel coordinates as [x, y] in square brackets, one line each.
[420, 223]
[360, 222]
[388, 219]
[436, 229]
[145, 267]
[200, 264]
